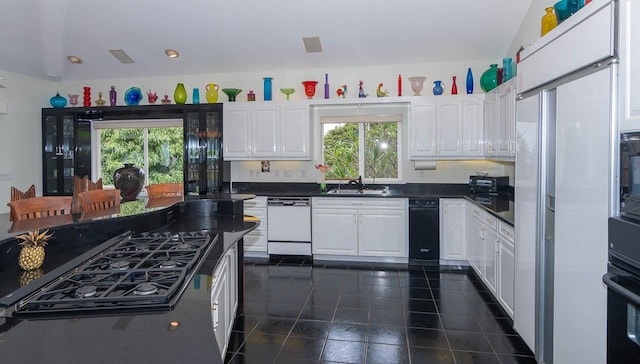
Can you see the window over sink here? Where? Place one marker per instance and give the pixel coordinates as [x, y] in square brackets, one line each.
[363, 145]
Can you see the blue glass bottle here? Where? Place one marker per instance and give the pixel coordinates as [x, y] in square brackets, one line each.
[507, 71]
[267, 88]
[469, 81]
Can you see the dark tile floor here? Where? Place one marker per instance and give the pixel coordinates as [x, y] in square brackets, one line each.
[298, 311]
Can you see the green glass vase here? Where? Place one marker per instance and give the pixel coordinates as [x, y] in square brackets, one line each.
[180, 94]
[489, 79]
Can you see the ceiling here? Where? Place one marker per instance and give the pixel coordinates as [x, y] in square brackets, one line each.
[36, 36]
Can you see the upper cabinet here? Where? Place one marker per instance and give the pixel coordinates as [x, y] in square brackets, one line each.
[500, 122]
[629, 52]
[267, 130]
[446, 127]
[66, 137]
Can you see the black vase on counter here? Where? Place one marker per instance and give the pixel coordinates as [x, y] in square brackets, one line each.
[129, 180]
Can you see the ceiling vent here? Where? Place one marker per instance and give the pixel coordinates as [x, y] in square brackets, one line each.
[121, 56]
[312, 44]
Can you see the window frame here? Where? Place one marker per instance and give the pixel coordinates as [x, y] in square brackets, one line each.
[96, 155]
[361, 119]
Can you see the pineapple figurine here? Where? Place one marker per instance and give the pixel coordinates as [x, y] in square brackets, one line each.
[32, 252]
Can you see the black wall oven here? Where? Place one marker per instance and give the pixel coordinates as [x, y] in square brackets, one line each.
[630, 175]
[623, 291]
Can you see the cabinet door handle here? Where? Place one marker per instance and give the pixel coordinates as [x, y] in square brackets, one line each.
[216, 318]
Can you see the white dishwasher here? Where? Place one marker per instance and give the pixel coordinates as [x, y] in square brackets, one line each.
[289, 225]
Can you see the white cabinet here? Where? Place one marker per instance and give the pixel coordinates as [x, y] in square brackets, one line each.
[370, 227]
[493, 255]
[499, 121]
[446, 127]
[629, 71]
[506, 267]
[334, 230]
[224, 297]
[267, 130]
[255, 241]
[485, 238]
[453, 232]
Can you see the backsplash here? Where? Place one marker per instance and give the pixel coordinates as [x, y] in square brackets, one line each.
[305, 171]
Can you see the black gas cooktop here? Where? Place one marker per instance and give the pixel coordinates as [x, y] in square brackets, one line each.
[148, 271]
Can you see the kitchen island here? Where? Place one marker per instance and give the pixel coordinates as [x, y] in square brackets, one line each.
[180, 331]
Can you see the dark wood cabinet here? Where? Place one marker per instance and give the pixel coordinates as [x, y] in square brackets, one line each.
[66, 139]
[66, 135]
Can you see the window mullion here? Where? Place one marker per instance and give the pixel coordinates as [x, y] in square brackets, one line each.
[145, 137]
[361, 147]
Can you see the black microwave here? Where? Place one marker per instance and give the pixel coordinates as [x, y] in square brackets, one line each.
[630, 175]
[488, 184]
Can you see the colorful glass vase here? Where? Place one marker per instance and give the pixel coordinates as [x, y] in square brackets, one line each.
[180, 94]
[454, 87]
[267, 88]
[507, 69]
[58, 101]
[133, 96]
[195, 99]
[549, 21]
[113, 96]
[212, 93]
[489, 78]
[86, 96]
[469, 81]
[437, 89]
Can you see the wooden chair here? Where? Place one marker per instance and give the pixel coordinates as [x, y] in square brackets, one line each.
[95, 200]
[162, 190]
[85, 184]
[16, 195]
[37, 207]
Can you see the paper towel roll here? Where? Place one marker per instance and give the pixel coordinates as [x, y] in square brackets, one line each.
[424, 165]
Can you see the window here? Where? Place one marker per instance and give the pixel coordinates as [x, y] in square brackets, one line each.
[155, 146]
[366, 146]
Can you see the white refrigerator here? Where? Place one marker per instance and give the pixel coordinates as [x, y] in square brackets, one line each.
[566, 143]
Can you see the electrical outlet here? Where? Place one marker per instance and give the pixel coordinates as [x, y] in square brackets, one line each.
[6, 176]
[421, 173]
[303, 173]
[276, 173]
[286, 173]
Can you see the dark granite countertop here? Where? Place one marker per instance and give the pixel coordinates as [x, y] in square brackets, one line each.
[500, 206]
[134, 337]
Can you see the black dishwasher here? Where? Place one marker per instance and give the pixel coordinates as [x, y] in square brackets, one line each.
[424, 231]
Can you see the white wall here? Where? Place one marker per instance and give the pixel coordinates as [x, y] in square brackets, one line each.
[531, 25]
[21, 136]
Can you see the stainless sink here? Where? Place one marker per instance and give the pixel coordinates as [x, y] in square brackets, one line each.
[348, 192]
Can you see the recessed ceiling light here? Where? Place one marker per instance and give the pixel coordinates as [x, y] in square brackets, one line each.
[121, 56]
[312, 44]
[74, 59]
[171, 53]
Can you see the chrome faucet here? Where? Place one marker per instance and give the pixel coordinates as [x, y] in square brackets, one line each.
[357, 182]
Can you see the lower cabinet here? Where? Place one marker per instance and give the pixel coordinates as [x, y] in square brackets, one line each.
[372, 227]
[506, 267]
[492, 255]
[224, 298]
[255, 242]
[453, 231]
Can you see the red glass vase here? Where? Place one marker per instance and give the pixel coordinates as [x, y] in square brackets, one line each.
[309, 88]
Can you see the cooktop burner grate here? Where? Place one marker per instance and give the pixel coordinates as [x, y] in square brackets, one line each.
[144, 271]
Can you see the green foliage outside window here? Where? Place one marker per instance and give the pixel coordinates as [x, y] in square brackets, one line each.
[119, 146]
[342, 150]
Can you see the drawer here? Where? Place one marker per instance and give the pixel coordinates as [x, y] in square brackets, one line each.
[382, 203]
[485, 217]
[506, 230]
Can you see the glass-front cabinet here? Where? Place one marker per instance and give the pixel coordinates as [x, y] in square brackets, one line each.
[203, 150]
[66, 140]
